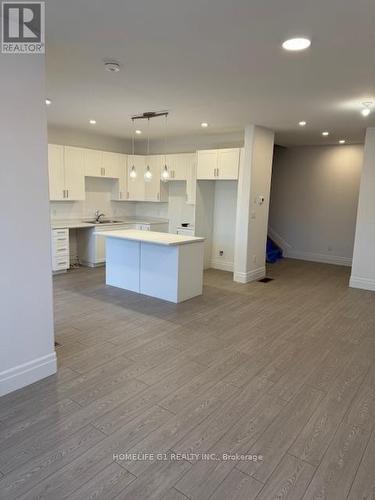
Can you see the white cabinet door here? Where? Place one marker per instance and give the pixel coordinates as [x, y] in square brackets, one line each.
[74, 173]
[56, 172]
[177, 165]
[111, 166]
[136, 186]
[207, 164]
[93, 163]
[120, 186]
[228, 163]
[152, 186]
[191, 179]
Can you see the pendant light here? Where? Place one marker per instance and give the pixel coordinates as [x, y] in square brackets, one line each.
[133, 172]
[148, 173]
[165, 172]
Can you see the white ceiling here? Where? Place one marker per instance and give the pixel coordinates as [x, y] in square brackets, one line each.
[218, 61]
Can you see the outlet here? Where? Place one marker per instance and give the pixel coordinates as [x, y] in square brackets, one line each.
[221, 253]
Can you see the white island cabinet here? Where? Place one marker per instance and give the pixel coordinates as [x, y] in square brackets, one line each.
[162, 265]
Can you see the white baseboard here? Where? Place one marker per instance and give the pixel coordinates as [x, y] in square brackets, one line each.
[254, 275]
[363, 283]
[222, 265]
[318, 257]
[27, 373]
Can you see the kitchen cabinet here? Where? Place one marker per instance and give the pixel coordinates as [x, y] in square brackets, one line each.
[102, 164]
[56, 172]
[155, 189]
[136, 186]
[120, 186]
[191, 178]
[66, 173]
[93, 162]
[177, 166]
[74, 173]
[218, 164]
[60, 250]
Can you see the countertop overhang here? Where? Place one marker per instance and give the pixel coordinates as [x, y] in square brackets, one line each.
[166, 239]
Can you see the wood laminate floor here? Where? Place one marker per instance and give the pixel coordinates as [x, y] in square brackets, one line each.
[257, 391]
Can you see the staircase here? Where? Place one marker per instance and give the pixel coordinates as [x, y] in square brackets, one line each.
[273, 251]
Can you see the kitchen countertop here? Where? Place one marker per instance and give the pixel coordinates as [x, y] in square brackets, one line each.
[154, 237]
[79, 223]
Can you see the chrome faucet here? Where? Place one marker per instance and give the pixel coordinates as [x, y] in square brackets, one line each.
[98, 215]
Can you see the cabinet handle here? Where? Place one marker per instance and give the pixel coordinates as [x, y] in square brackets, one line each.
[104, 171]
[63, 193]
[67, 193]
[158, 196]
[127, 194]
[218, 173]
[120, 195]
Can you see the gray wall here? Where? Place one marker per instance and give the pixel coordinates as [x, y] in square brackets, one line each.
[26, 332]
[314, 198]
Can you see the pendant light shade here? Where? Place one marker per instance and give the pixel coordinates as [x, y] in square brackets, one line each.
[133, 172]
[148, 173]
[165, 172]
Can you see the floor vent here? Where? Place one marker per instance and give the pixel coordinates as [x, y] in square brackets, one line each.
[265, 280]
[57, 344]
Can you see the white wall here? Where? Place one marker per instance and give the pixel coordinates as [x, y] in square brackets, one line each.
[363, 270]
[252, 217]
[314, 201]
[224, 225]
[26, 311]
[191, 143]
[85, 139]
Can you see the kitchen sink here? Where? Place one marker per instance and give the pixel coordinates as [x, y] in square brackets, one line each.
[105, 221]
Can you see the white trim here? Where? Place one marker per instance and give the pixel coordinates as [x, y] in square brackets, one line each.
[253, 275]
[27, 373]
[319, 257]
[222, 265]
[278, 239]
[364, 283]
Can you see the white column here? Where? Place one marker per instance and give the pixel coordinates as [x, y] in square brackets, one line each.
[253, 204]
[363, 266]
[26, 326]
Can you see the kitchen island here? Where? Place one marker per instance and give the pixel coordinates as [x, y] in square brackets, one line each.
[162, 265]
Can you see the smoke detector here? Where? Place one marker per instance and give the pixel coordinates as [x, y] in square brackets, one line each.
[112, 66]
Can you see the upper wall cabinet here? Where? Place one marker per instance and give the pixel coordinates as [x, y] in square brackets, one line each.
[136, 185]
[102, 164]
[155, 189]
[120, 186]
[56, 172]
[177, 166]
[66, 173]
[218, 164]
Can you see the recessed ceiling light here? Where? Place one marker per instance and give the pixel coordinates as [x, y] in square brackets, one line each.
[302, 123]
[204, 124]
[92, 122]
[296, 44]
[112, 66]
[342, 141]
[48, 102]
[325, 133]
[138, 131]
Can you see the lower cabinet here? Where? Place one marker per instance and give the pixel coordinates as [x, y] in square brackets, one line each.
[60, 250]
[91, 246]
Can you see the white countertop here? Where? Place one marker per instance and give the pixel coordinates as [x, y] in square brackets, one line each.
[79, 223]
[154, 237]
